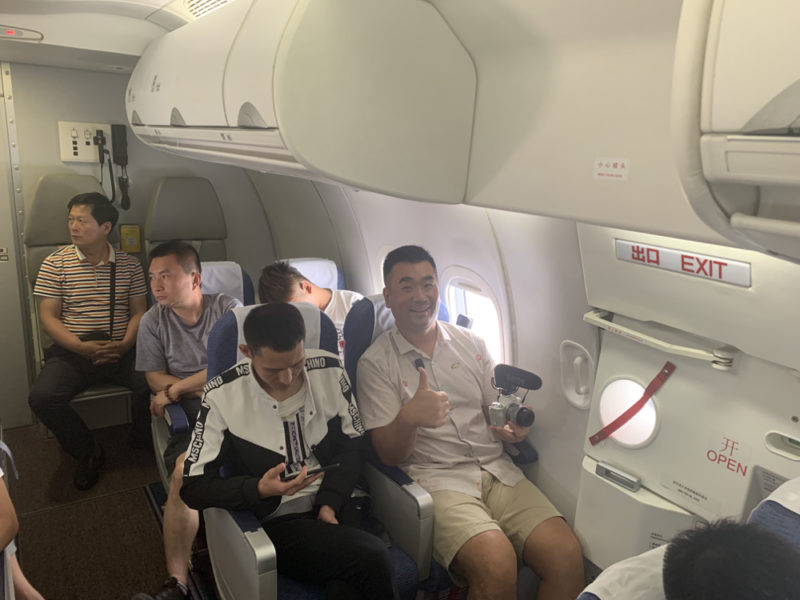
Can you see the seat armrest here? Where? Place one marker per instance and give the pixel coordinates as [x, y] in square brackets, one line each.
[522, 453]
[406, 511]
[242, 556]
[176, 419]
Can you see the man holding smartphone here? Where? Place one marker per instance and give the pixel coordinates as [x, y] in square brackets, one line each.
[286, 410]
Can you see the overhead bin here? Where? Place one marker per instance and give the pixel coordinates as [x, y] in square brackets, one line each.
[736, 119]
[376, 95]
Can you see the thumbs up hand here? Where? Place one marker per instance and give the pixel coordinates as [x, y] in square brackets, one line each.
[427, 408]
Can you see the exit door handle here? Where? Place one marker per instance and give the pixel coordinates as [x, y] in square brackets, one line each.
[720, 358]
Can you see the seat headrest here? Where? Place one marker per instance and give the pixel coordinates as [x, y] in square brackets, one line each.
[223, 277]
[228, 333]
[322, 272]
[46, 223]
[185, 208]
[780, 512]
[368, 318]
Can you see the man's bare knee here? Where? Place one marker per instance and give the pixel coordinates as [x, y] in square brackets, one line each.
[488, 561]
[553, 551]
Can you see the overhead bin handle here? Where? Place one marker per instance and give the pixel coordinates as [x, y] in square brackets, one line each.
[720, 358]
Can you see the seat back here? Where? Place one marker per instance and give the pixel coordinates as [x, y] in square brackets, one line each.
[322, 272]
[227, 277]
[780, 512]
[227, 334]
[187, 209]
[367, 319]
[46, 231]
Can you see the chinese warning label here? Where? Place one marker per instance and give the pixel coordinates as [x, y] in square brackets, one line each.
[611, 168]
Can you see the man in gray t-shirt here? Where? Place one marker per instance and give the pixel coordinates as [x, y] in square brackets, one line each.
[171, 350]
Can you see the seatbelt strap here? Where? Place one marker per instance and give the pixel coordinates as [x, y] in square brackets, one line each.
[651, 389]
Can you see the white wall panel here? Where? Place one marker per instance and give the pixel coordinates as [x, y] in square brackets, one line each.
[14, 366]
[546, 287]
[754, 319]
[298, 219]
[46, 95]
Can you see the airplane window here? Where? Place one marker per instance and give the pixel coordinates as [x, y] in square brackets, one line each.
[475, 304]
[616, 398]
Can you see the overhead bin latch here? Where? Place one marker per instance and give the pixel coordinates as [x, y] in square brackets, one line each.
[720, 358]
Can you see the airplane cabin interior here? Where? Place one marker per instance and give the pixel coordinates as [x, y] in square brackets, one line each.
[607, 189]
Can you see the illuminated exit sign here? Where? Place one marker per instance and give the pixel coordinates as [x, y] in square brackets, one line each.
[688, 263]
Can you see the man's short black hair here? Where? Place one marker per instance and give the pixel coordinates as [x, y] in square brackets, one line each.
[184, 253]
[731, 561]
[102, 209]
[278, 282]
[409, 254]
[278, 326]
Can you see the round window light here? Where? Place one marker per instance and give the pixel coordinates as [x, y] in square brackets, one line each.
[617, 397]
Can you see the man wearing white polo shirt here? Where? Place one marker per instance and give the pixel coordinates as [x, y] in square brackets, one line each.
[430, 421]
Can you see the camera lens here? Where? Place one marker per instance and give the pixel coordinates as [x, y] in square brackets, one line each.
[520, 415]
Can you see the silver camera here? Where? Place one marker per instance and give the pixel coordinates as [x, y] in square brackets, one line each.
[508, 407]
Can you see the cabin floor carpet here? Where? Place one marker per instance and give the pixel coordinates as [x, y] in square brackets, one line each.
[101, 544]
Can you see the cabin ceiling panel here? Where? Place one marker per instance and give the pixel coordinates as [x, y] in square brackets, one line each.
[105, 33]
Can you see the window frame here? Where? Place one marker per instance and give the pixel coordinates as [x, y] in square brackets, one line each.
[468, 280]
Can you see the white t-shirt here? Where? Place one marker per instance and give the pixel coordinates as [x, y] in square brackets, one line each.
[635, 578]
[292, 413]
[337, 309]
[339, 306]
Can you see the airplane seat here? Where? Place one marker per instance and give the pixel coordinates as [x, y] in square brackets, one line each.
[227, 277]
[188, 209]
[227, 334]
[367, 319]
[779, 512]
[322, 272]
[409, 503]
[218, 277]
[46, 231]
[242, 557]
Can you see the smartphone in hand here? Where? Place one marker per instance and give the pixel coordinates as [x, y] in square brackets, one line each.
[311, 472]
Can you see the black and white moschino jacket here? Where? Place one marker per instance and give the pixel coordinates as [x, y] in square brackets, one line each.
[239, 427]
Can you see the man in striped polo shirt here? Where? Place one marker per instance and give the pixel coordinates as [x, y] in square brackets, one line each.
[90, 347]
